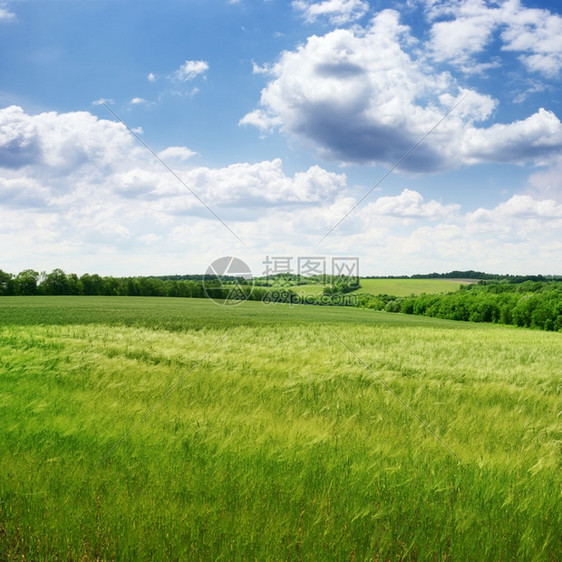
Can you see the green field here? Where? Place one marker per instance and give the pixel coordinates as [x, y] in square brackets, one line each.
[407, 287]
[311, 289]
[177, 429]
[395, 287]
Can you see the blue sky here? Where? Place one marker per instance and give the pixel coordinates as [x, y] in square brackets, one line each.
[280, 116]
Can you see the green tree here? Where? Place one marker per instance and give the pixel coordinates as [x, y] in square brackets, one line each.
[74, 285]
[55, 283]
[26, 282]
[91, 284]
[6, 283]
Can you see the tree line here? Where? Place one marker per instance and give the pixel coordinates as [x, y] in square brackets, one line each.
[31, 282]
[530, 304]
[57, 282]
[477, 275]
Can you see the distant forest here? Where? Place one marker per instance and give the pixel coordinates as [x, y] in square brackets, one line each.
[530, 304]
[478, 275]
[526, 301]
[30, 282]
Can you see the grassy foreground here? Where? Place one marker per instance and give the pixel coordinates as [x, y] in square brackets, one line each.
[147, 428]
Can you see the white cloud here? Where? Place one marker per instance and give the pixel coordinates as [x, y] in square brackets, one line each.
[358, 96]
[6, 15]
[82, 186]
[337, 12]
[466, 27]
[59, 142]
[56, 149]
[480, 68]
[524, 206]
[251, 186]
[138, 101]
[260, 119]
[409, 204]
[530, 87]
[23, 192]
[257, 69]
[533, 138]
[518, 214]
[103, 101]
[111, 208]
[467, 33]
[547, 182]
[177, 153]
[520, 235]
[151, 77]
[536, 33]
[190, 69]
[405, 234]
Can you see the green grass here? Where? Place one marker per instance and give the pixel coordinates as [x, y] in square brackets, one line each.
[146, 428]
[311, 289]
[407, 287]
[395, 287]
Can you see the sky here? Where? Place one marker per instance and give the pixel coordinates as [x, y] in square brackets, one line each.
[151, 138]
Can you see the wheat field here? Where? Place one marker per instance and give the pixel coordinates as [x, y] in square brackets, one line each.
[148, 428]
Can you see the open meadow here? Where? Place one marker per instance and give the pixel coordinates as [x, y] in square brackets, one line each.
[395, 287]
[158, 428]
[407, 287]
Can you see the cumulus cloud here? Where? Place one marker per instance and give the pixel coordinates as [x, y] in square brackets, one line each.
[358, 95]
[261, 119]
[190, 69]
[464, 28]
[337, 12]
[536, 137]
[402, 234]
[521, 207]
[19, 144]
[59, 142]
[52, 145]
[519, 235]
[176, 153]
[103, 193]
[138, 101]
[120, 208]
[151, 77]
[536, 33]
[467, 30]
[409, 204]
[254, 185]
